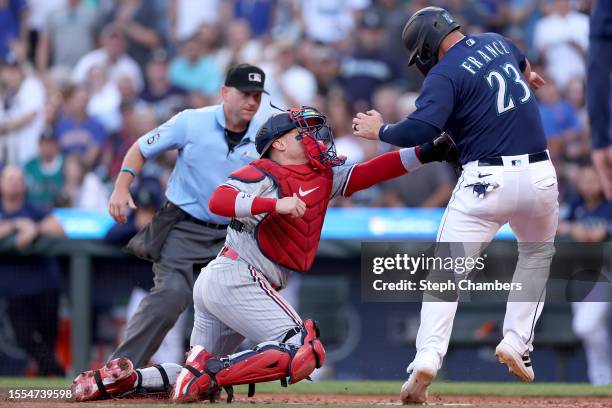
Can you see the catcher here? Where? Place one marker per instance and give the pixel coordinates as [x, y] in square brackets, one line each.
[277, 205]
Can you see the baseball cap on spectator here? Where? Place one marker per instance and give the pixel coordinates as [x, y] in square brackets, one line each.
[48, 134]
[246, 78]
[371, 19]
[148, 193]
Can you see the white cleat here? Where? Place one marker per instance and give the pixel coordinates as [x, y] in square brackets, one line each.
[518, 365]
[414, 391]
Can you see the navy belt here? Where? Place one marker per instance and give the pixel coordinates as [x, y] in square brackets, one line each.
[498, 161]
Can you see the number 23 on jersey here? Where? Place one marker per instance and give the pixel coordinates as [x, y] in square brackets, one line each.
[497, 80]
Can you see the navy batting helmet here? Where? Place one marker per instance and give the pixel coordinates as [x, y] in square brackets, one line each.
[423, 34]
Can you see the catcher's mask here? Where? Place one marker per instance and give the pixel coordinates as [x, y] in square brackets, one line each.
[423, 34]
[313, 132]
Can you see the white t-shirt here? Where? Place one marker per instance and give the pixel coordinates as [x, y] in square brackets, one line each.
[22, 145]
[125, 66]
[330, 20]
[190, 14]
[298, 82]
[563, 61]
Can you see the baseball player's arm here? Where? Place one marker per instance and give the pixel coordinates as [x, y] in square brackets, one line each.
[227, 201]
[168, 136]
[379, 169]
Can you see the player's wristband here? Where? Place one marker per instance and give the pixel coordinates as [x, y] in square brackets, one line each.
[128, 170]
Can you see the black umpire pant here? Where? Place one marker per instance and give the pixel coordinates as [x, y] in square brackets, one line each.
[189, 247]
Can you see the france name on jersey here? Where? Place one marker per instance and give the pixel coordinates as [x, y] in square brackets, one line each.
[479, 95]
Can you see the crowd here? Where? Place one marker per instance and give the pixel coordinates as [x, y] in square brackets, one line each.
[81, 80]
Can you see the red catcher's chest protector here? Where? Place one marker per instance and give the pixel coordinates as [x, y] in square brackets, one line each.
[293, 242]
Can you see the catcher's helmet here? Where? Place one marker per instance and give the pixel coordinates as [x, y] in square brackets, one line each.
[423, 34]
[313, 131]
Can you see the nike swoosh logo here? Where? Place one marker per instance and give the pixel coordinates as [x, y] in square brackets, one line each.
[305, 193]
[483, 175]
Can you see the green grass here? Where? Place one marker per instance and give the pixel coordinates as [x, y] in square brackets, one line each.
[381, 387]
[384, 388]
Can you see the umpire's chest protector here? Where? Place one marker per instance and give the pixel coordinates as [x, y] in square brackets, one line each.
[293, 242]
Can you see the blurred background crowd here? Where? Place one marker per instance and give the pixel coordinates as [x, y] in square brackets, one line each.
[81, 80]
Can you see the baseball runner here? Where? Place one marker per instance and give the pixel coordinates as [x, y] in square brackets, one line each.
[477, 88]
[277, 205]
[184, 235]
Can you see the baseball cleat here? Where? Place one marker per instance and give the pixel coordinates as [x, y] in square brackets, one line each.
[186, 389]
[518, 365]
[115, 378]
[414, 391]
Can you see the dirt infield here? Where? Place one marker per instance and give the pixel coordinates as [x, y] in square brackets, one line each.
[348, 400]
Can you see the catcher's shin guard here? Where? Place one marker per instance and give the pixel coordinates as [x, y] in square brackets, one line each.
[267, 362]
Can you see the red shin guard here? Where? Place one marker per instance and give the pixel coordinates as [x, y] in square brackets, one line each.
[267, 362]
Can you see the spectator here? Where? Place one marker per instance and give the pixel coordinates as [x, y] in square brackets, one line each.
[258, 13]
[78, 132]
[590, 220]
[370, 65]
[186, 16]
[67, 35]
[288, 84]
[326, 68]
[562, 39]
[13, 26]
[429, 186]
[38, 13]
[159, 94]
[112, 56]
[339, 115]
[22, 112]
[44, 175]
[136, 20]
[330, 22]
[559, 118]
[30, 284]
[82, 189]
[193, 71]
[104, 98]
[239, 46]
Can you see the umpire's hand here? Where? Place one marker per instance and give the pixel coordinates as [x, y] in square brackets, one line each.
[119, 201]
[367, 124]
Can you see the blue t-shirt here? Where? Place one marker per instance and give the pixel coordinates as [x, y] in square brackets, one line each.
[10, 22]
[558, 118]
[27, 275]
[74, 137]
[479, 95]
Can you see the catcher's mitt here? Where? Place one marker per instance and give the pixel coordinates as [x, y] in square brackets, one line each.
[442, 148]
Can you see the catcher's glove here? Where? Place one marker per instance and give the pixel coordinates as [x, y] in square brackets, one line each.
[442, 148]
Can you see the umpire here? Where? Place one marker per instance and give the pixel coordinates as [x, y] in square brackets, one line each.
[184, 235]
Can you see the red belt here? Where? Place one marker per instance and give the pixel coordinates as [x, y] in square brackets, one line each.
[228, 252]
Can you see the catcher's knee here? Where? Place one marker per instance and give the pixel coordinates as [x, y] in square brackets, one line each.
[310, 355]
